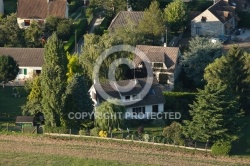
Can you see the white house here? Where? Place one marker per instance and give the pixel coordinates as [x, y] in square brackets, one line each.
[1, 7]
[218, 19]
[39, 10]
[135, 103]
[164, 62]
[30, 61]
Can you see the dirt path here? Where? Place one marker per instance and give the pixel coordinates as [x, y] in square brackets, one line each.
[128, 153]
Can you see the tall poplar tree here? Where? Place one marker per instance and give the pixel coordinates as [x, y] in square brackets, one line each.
[53, 83]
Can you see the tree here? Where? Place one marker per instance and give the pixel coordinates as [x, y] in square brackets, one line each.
[215, 115]
[232, 70]
[174, 133]
[73, 66]
[64, 29]
[176, 15]
[139, 5]
[113, 6]
[77, 100]
[153, 24]
[201, 52]
[33, 34]
[109, 115]
[10, 33]
[53, 83]
[8, 68]
[33, 104]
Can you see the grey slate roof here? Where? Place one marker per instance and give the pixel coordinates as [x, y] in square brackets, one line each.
[25, 57]
[122, 18]
[40, 9]
[149, 99]
[169, 55]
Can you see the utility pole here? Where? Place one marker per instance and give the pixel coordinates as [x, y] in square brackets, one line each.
[76, 41]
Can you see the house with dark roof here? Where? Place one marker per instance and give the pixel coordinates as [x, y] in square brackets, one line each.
[39, 10]
[30, 60]
[122, 18]
[164, 62]
[25, 121]
[218, 19]
[136, 100]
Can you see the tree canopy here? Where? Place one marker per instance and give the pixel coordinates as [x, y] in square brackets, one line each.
[54, 80]
[201, 52]
[176, 15]
[153, 24]
[8, 68]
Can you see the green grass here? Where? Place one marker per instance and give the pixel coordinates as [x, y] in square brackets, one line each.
[10, 6]
[13, 158]
[10, 106]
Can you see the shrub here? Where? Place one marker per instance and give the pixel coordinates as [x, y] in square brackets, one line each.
[103, 133]
[173, 133]
[222, 147]
[146, 137]
[95, 131]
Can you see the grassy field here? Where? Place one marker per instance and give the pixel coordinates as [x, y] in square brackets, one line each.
[10, 105]
[16, 149]
[10, 6]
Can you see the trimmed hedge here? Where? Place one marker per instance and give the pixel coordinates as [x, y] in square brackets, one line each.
[222, 148]
[80, 27]
[179, 102]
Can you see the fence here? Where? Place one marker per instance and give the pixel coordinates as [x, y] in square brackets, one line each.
[127, 140]
[6, 127]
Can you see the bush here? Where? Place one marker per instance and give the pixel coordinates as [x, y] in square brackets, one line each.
[222, 147]
[103, 133]
[95, 131]
[174, 133]
[140, 130]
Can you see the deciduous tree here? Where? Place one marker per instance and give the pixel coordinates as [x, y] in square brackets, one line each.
[53, 83]
[8, 68]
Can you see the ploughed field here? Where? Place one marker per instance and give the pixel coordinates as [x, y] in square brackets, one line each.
[17, 149]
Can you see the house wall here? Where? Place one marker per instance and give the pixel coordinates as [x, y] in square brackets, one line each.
[28, 74]
[212, 26]
[1, 7]
[148, 111]
[21, 25]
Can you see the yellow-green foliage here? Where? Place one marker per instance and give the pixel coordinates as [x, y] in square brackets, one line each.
[103, 133]
[73, 66]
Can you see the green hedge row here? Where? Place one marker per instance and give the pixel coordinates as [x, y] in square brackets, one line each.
[80, 27]
[179, 102]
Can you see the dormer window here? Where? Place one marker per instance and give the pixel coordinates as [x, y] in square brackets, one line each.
[127, 97]
[203, 19]
[135, 97]
[158, 65]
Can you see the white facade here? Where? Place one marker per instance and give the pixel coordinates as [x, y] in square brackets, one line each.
[27, 73]
[23, 22]
[1, 7]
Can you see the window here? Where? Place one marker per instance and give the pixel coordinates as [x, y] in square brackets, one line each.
[26, 22]
[155, 108]
[203, 19]
[135, 97]
[139, 110]
[158, 65]
[20, 71]
[127, 97]
[25, 71]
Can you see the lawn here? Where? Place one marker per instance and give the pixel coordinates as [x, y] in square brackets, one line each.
[17, 149]
[10, 6]
[10, 106]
